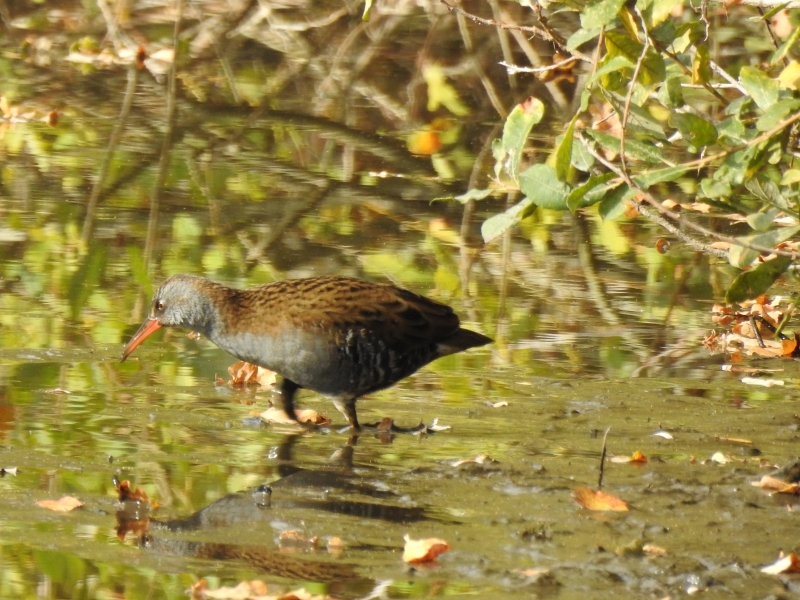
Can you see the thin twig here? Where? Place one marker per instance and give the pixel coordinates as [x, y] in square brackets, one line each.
[602, 461]
[113, 142]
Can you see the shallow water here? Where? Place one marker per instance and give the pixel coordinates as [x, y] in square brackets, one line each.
[307, 172]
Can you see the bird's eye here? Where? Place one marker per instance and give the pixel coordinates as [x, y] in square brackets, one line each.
[160, 306]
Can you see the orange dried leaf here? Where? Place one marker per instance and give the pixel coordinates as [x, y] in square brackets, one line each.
[125, 493]
[424, 142]
[597, 500]
[243, 591]
[785, 564]
[243, 373]
[311, 416]
[776, 486]
[276, 415]
[63, 504]
[419, 551]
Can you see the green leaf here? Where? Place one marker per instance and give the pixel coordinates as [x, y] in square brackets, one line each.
[507, 151]
[613, 204]
[495, 226]
[787, 45]
[761, 87]
[768, 192]
[695, 130]
[714, 188]
[653, 69]
[542, 186]
[671, 94]
[473, 195]
[761, 221]
[575, 198]
[755, 282]
[611, 65]
[582, 159]
[564, 152]
[598, 13]
[580, 37]
[701, 68]
[638, 118]
[648, 178]
[643, 151]
[775, 113]
[661, 10]
[741, 257]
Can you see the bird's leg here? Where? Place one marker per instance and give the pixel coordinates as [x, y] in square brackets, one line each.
[287, 391]
[347, 406]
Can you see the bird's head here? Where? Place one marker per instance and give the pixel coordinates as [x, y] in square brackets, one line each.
[181, 301]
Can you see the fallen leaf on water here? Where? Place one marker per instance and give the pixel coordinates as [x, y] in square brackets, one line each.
[291, 538]
[243, 373]
[733, 440]
[243, 591]
[278, 415]
[751, 370]
[500, 404]
[719, 457]
[480, 459]
[436, 427]
[636, 457]
[311, 416]
[335, 546]
[597, 500]
[533, 572]
[653, 551]
[57, 391]
[776, 486]
[762, 382]
[664, 434]
[785, 564]
[63, 504]
[419, 551]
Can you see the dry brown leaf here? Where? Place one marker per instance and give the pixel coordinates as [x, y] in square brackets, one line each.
[597, 500]
[124, 492]
[311, 416]
[426, 550]
[243, 373]
[776, 486]
[785, 564]
[652, 550]
[63, 504]
[276, 415]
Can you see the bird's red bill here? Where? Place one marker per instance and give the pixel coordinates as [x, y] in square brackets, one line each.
[148, 327]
